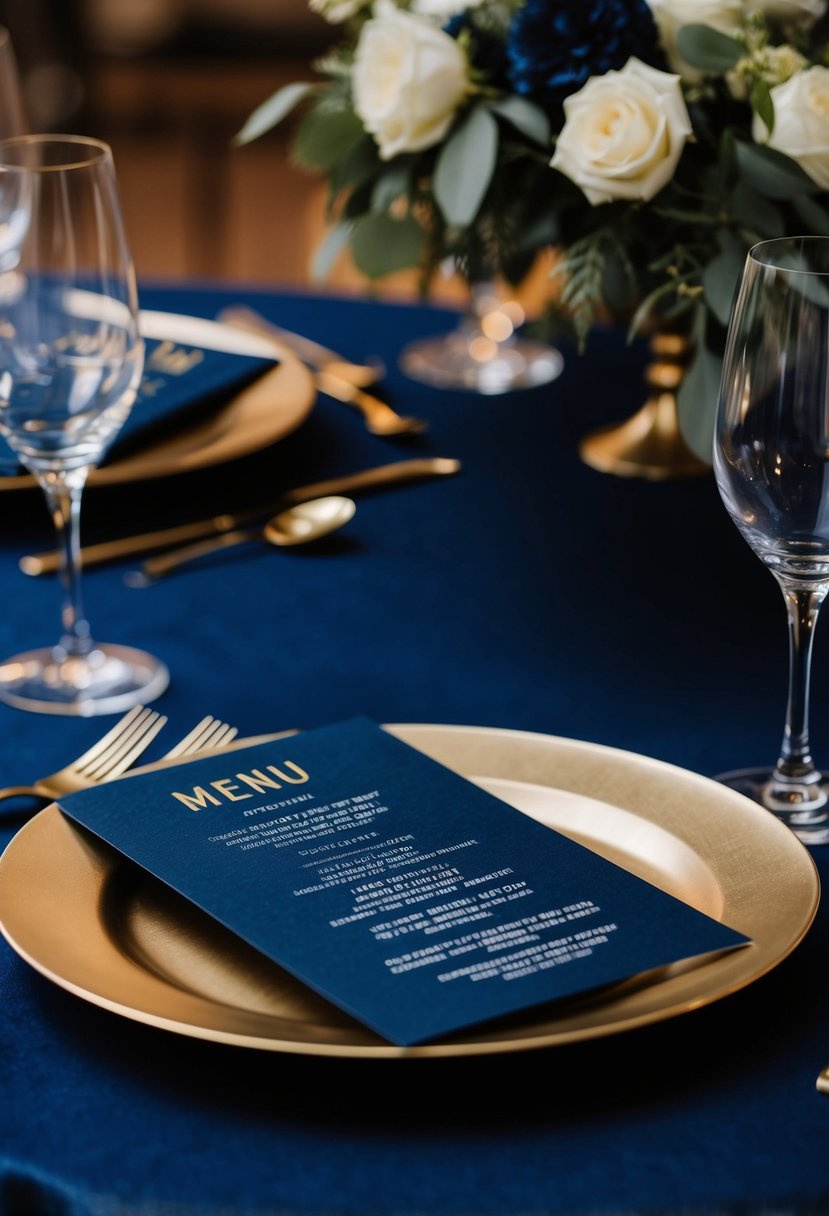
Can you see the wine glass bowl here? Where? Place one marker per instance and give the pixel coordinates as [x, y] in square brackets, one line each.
[771, 462]
[71, 358]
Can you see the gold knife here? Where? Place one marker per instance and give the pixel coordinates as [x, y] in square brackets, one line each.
[400, 472]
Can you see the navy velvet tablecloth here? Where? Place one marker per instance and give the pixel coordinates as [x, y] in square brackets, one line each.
[529, 592]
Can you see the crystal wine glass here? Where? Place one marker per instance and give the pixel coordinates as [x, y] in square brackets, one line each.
[70, 362]
[771, 459]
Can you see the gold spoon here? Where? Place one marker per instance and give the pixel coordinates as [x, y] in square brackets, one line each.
[299, 525]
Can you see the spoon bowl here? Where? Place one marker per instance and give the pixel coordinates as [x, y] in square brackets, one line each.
[301, 524]
[309, 521]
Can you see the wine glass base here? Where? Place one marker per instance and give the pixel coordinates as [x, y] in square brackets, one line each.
[466, 359]
[108, 680]
[808, 818]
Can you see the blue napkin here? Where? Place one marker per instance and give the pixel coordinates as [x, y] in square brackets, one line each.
[180, 386]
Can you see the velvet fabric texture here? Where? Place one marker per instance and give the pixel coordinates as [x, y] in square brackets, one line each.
[527, 592]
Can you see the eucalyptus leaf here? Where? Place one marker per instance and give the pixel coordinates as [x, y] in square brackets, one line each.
[272, 111]
[382, 245]
[393, 184]
[358, 165]
[721, 276]
[465, 166]
[813, 214]
[325, 137]
[648, 305]
[771, 173]
[762, 102]
[755, 213]
[332, 245]
[707, 48]
[525, 117]
[696, 402]
[618, 282]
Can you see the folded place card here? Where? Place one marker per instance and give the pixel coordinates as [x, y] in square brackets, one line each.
[405, 894]
[181, 385]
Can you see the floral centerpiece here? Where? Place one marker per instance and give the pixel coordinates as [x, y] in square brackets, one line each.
[652, 142]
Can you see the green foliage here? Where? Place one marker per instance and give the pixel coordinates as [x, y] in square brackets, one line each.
[722, 274]
[464, 167]
[706, 48]
[771, 173]
[272, 111]
[326, 136]
[335, 241]
[583, 272]
[486, 197]
[761, 101]
[698, 395]
[529, 119]
[382, 245]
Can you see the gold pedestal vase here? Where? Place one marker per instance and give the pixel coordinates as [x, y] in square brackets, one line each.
[650, 444]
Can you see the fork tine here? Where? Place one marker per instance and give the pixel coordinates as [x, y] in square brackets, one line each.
[117, 743]
[137, 735]
[112, 736]
[225, 736]
[122, 763]
[210, 732]
[212, 737]
[190, 740]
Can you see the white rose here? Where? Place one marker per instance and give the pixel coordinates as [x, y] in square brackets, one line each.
[442, 10]
[801, 122]
[409, 79]
[671, 15]
[337, 11]
[623, 133]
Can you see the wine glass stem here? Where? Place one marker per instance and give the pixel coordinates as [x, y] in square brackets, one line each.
[802, 607]
[63, 496]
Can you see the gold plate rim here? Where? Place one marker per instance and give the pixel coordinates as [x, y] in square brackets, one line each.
[266, 411]
[769, 884]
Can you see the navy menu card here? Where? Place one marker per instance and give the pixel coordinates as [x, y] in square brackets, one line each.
[180, 386]
[405, 894]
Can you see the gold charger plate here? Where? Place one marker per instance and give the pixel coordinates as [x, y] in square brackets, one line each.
[100, 927]
[261, 414]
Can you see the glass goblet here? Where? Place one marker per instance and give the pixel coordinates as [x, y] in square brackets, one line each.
[70, 362]
[771, 461]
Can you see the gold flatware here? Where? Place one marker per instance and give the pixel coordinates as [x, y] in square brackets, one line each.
[313, 353]
[822, 1083]
[335, 376]
[117, 751]
[207, 734]
[381, 477]
[379, 417]
[109, 757]
[669, 826]
[299, 525]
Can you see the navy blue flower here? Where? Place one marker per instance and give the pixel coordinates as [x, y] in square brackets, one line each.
[555, 45]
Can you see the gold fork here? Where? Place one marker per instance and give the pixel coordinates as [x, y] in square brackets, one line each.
[108, 758]
[361, 375]
[208, 733]
[113, 754]
[334, 376]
